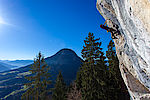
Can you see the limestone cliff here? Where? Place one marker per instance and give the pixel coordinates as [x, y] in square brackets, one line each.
[132, 18]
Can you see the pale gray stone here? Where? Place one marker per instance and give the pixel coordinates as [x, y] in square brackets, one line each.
[133, 44]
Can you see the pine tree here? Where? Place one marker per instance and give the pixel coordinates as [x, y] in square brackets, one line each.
[101, 76]
[74, 93]
[93, 64]
[60, 89]
[116, 87]
[38, 81]
[78, 80]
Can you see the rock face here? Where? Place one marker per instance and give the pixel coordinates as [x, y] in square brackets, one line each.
[131, 21]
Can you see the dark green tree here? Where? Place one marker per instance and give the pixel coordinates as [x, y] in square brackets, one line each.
[60, 89]
[74, 93]
[88, 78]
[116, 87]
[38, 81]
[78, 80]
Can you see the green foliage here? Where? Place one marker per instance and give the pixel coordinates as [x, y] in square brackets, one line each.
[95, 79]
[74, 93]
[60, 89]
[38, 81]
[91, 76]
[116, 87]
[78, 79]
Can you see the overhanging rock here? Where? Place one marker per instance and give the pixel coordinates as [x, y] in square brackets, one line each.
[133, 43]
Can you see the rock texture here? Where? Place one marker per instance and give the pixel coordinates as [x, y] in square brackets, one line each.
[132, 43]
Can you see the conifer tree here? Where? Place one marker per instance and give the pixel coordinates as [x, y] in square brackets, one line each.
[60, 89]
[38, 81]
[116, 87]
[92, 66]
[74, 93]
[78, 80]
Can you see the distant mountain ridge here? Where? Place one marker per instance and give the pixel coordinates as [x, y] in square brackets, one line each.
[8, 66]
[65, 60]
[3, 68]
[19, 63]
[12, 64]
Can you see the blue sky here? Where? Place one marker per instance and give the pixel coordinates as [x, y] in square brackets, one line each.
[30, 26]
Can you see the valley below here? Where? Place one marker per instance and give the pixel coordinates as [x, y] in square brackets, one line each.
[12, 81]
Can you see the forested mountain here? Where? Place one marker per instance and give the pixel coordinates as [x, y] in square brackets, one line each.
[66, 61]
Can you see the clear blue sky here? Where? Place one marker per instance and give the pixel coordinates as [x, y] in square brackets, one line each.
[30, 26]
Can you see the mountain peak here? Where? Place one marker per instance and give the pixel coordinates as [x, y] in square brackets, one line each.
[65, 60]
[66, 51]
[63, 56]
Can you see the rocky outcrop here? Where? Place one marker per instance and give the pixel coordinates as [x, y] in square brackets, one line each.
[131, 21]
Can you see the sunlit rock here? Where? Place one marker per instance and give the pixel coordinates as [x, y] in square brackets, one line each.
[133, 43]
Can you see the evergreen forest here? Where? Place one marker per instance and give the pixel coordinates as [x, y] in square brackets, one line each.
[98, 78]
